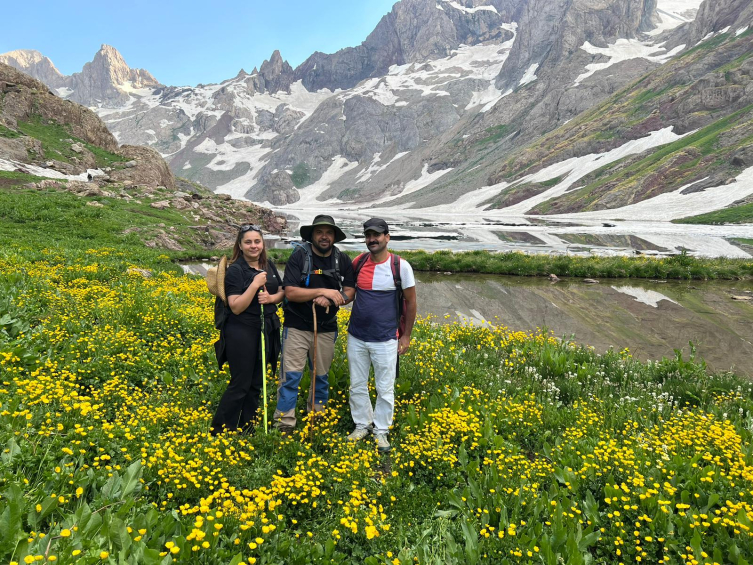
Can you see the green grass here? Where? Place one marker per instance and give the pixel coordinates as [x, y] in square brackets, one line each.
[26, 216]
[736, 215]
[53, 136]
[109, 384]
[7, 132]
[301, 176]
[10, 178]
[707, 45]
[495, 134]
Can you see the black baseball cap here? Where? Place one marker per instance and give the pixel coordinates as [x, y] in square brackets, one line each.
[376, 224]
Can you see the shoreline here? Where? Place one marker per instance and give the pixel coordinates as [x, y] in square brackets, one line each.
[515, 263]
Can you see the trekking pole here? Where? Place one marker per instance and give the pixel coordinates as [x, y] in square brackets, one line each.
[313, 381]
[264, 368]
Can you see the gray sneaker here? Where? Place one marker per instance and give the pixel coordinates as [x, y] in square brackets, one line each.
[358, 434]
[383, 446]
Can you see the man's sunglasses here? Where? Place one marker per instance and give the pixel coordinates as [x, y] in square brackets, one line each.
[250, 227]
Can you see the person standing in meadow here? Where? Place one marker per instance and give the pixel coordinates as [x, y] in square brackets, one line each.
[252, 286]
[318, 280]
[375, 335]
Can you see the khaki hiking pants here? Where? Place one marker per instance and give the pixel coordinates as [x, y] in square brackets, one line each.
[297, 347]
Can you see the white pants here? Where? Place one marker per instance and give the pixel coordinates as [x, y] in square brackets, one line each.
[383, 356]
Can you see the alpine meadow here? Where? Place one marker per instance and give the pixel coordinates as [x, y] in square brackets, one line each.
[568, 141]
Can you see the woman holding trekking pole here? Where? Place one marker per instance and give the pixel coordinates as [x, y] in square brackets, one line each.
[253, 289]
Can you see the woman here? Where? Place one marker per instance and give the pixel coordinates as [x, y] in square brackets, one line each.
[252, 283]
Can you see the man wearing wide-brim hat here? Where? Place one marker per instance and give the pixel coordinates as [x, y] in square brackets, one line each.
[318, 280]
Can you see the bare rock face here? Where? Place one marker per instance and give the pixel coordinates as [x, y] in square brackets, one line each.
[277, 74]
[413, 32]
[148, 169]
[14, 149]
[717, 15]
[98, 82]
[101, 82]
[280, 189]
[34, 64]
[554, 30]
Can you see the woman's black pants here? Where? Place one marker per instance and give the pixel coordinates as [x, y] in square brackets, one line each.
[240, 401]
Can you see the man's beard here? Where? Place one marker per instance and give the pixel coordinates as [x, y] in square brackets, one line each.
[320, 250]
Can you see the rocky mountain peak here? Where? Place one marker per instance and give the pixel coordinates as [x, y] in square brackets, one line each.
[34, 64]
[108, 65]
[275, 66]
[25, 57]
[277, 73]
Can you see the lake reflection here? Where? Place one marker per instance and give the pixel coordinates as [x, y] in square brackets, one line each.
[652, 319]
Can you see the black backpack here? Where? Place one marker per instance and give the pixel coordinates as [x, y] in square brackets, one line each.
[220, 313]
[359, 262]
[308, 264]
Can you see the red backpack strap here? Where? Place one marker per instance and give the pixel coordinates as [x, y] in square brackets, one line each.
[358, 264]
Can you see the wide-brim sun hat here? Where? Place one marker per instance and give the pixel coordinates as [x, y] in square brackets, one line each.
[216, 279]
[322, 220]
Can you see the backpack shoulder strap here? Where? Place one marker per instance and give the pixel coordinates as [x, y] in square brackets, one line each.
[396, 272]
[306, 270]
[339, 280]
[358, 264]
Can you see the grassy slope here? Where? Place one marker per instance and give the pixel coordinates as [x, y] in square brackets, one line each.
[624, 110]
[25, 214]
[55, 145]
[742, 214]
[623, 179]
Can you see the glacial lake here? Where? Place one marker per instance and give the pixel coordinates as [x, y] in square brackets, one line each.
[652, 319]
[574, 236]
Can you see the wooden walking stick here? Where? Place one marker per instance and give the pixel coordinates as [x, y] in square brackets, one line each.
[313, 380]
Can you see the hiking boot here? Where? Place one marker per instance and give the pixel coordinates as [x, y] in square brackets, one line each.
[358, 434]
[286, 430]
[383, 446]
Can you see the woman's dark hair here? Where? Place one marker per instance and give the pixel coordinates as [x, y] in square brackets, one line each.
[237, 253]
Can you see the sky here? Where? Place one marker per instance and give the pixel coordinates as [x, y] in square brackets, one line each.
[188, 42]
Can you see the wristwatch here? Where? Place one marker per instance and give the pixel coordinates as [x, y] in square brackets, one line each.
[345, 297]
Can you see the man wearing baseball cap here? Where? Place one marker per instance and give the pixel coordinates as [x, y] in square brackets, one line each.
[375, 335]
[317, 276]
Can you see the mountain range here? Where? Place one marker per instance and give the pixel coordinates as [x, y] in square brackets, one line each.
[610, 108]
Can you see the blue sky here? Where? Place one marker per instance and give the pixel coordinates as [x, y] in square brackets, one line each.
[189, 42]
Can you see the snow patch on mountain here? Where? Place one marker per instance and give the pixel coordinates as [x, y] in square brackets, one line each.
[674, 205]
[624, 49]
[468, 10]
[481, 62]
[574, 168]
[415, 185]
[374, 168]
[310, 194]
[530, 75]
[672, 13]
[12, 165]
